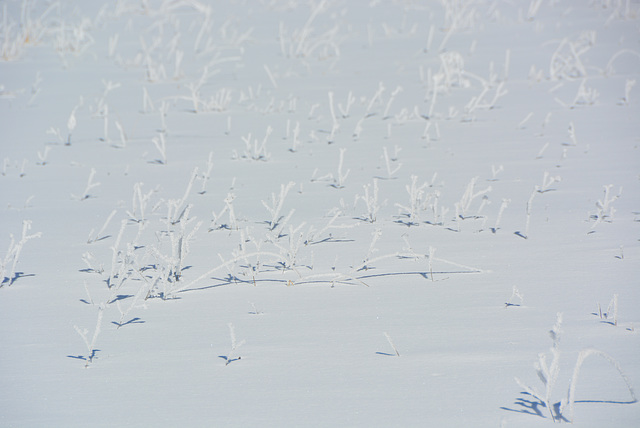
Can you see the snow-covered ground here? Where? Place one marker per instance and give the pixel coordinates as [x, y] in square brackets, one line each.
[319, 213]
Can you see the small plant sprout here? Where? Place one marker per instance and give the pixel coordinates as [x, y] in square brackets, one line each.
[123, 136]
[547, 181]
[147, 102]
[370, 200]
[396, 91]
[139, 203]
[572, 135]
[295, 142]
[160, 143]
[548, 374]
[92, 266]
[91, 344]
[605, 209]
[495, 171]
[375, 98]
[255, 310]
[416, 195]
[72, 122]
[207, 175]
[8, 274]
[503, 206]
[35, 88]
[342, 175]
[585, 95]
[228, 208]
[93, 237]
[257, 150]
[542, 150]
[391, 170]
[430, 259]
[344, 111]
[90, 185]
[612, 311]
[235, 345]
[335, 126]
[276, 205]
[113, 43]
[629, 84]
[516, 296]
[532, 11]
[56, 133]
[43, 155]
[469, 196]
[521, 125]
[163, 111]
[393, 346]
[525, 235]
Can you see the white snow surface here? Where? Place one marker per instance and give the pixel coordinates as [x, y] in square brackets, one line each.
[319, 213]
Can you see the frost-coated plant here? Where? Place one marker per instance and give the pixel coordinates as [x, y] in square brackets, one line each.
[391, 171]
[370, 199]
[160, 143]
[257, 150]
[629, 84]
[548, 375]
[72, 121]
[90, 185]
[416, 194]
[611, 312]
[547, 181]
[342, 175]
[91, 343]
[569, 403]
[235, 345]
[395, 350]
[229, 210]
[605, 210]
[207, 174]
[566, 61]
[469, 196]
[8, 274]
[515, 295]
[93, 237]
[276, 205]
[503, 206]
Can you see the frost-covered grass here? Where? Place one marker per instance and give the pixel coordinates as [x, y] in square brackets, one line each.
[319, 213]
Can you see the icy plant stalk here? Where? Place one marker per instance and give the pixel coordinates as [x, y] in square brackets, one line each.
[234, 345]
[207, 175]
[161, 144]
[90, 185]
[395, 350]
[98, 236]
[370, 199]
[548, 374]
[342, 175]
[390, 170]
[630, 83]
[91, 344]
[416, 194]
[570, 400]
[276, 204]
[13, 254]
[503, 206]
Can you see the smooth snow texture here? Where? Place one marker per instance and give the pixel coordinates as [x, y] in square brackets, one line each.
[319, 213]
